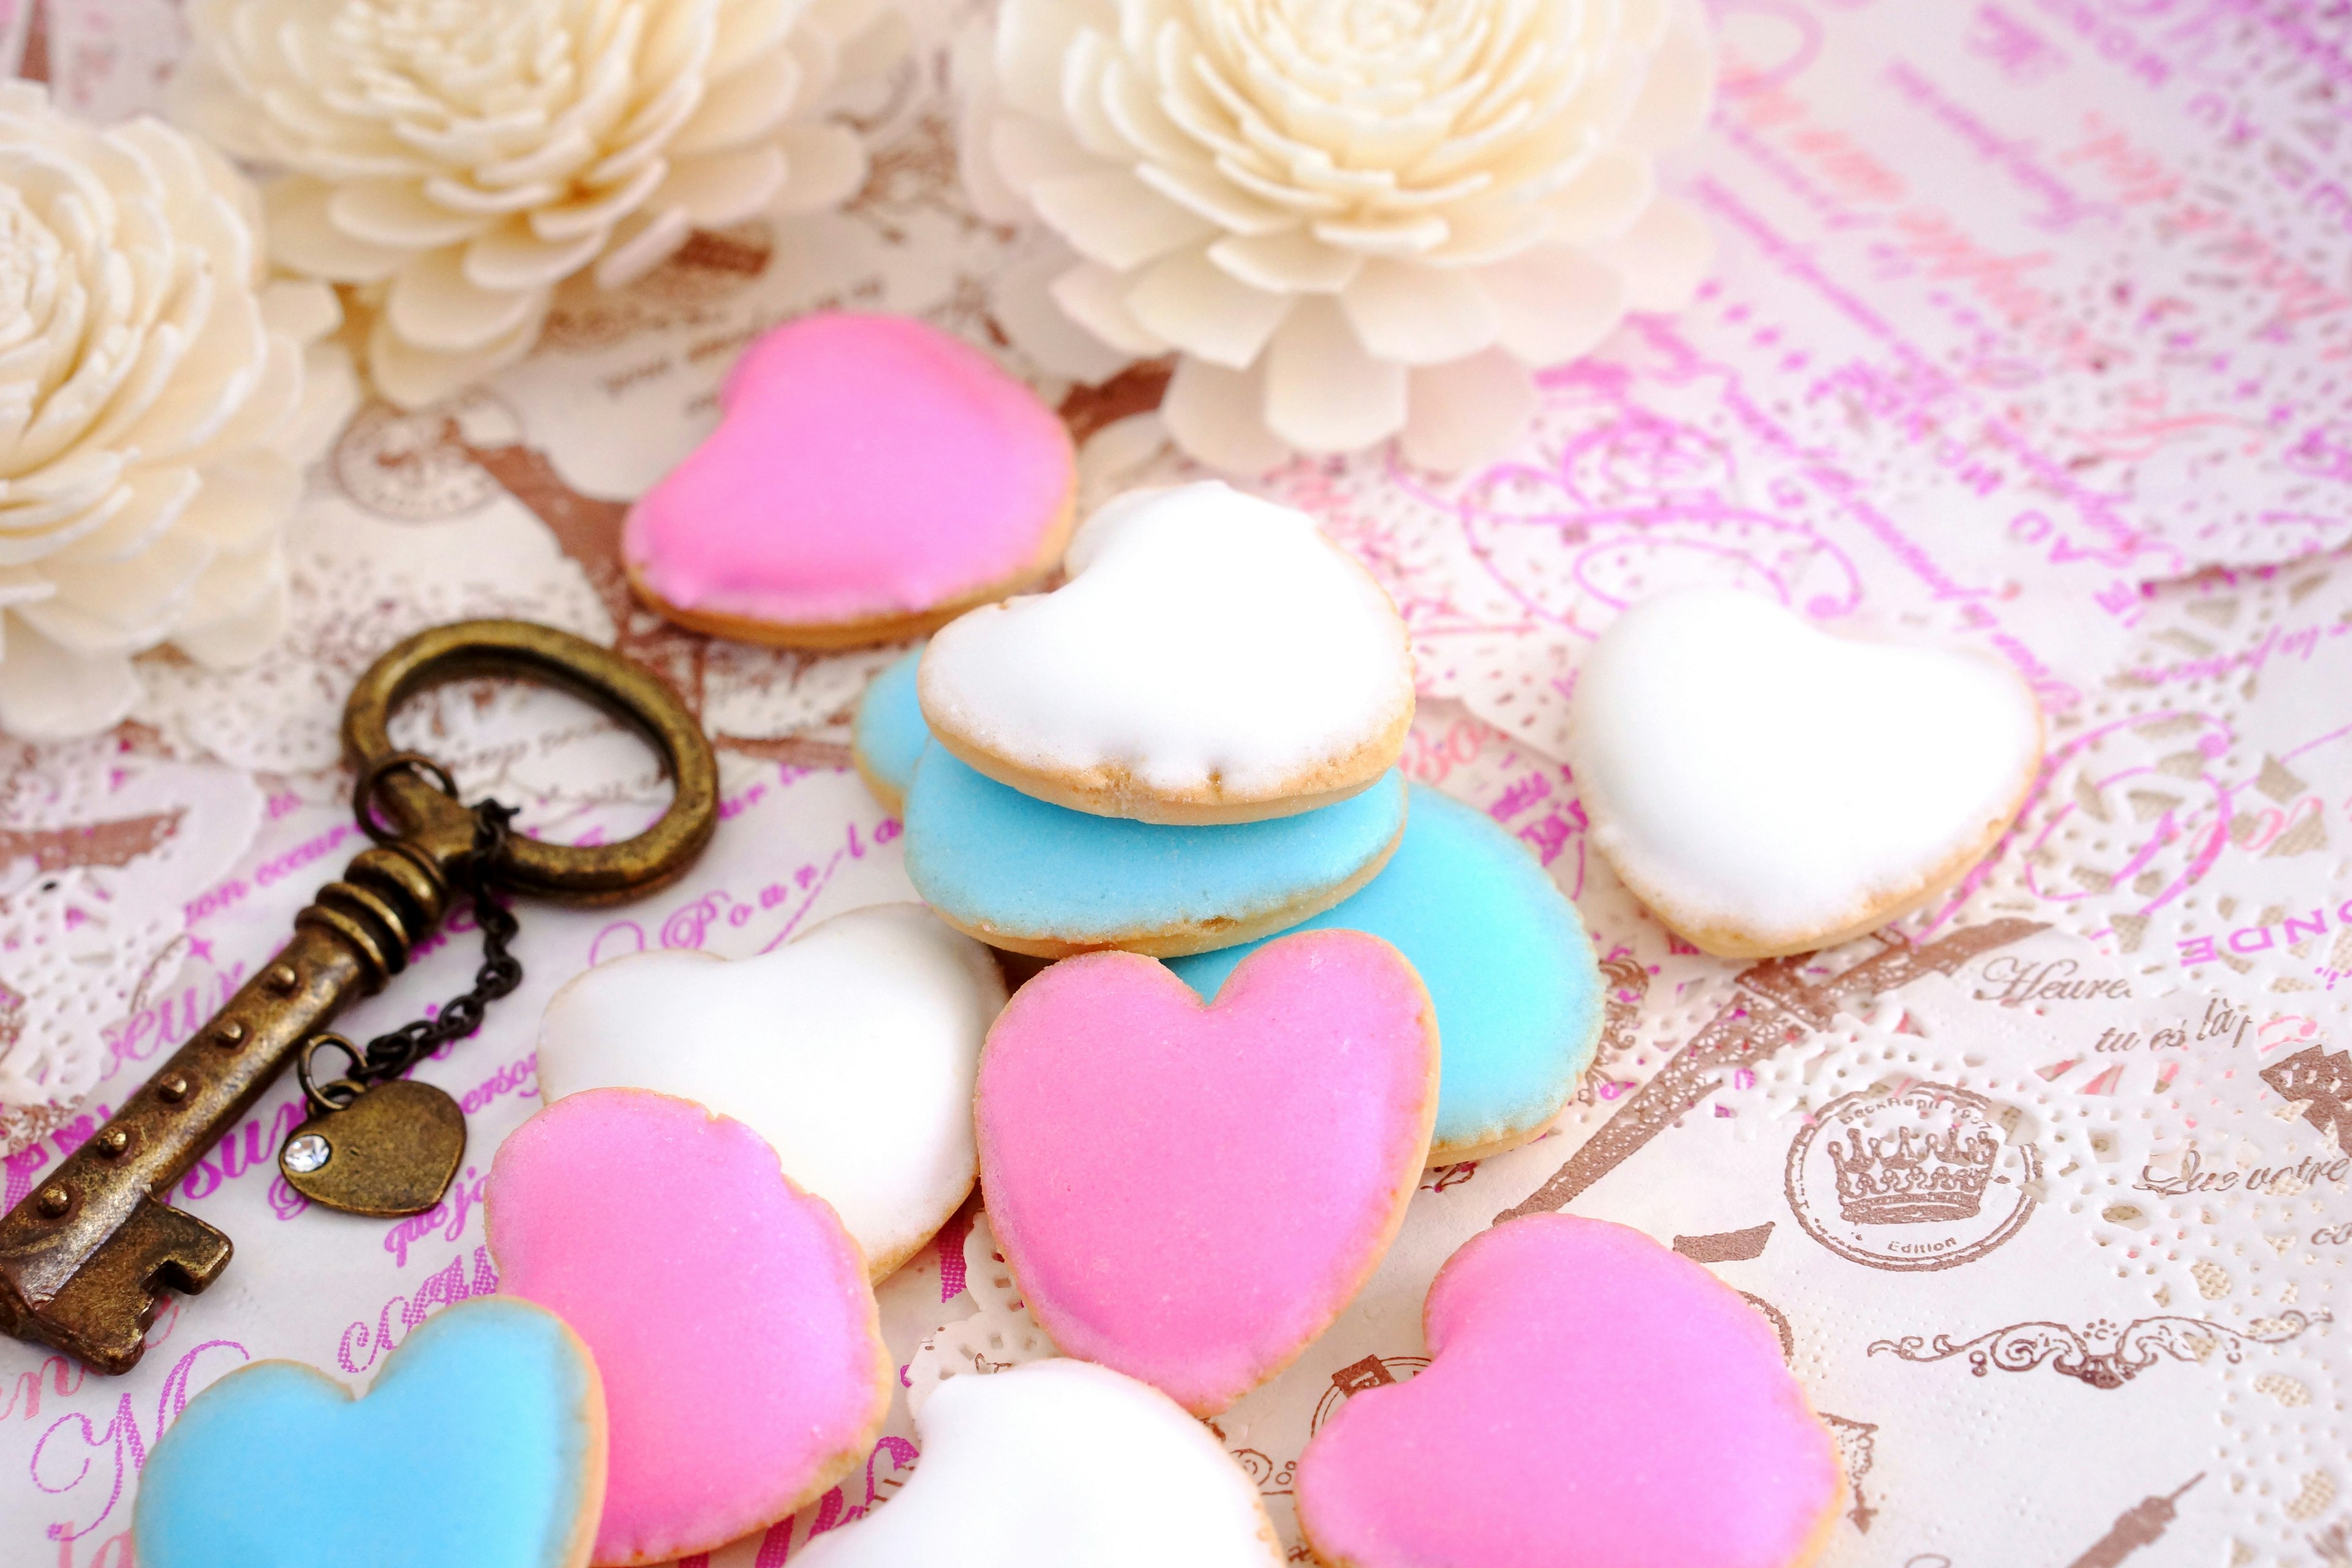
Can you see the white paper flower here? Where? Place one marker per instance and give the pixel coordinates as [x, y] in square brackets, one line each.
[157, 396]
[468, 155]
[1351, 218]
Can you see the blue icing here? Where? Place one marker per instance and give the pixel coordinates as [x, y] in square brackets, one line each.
[993, 858]
[888, 733]
[1519, 998]
[467, 1450]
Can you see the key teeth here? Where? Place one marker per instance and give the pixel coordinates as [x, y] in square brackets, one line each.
[195, 1255]
[156, 1248]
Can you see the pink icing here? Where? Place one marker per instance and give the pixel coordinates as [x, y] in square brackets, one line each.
[1594, 1400]
[727, 1309]
[1189, 1194]
[865, 466]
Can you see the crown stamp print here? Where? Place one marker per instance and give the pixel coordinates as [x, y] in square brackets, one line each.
[1921, 1177]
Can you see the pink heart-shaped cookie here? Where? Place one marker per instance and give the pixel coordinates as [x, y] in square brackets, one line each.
[1592, 1401]
[872, 479]
[1191, 1193]
[728, 1310]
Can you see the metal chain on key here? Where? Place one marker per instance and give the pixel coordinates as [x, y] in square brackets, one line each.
[377, 1142]
[388, 1056]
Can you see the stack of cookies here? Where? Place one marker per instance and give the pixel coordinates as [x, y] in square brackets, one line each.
[1189, 744]
[1191, 747]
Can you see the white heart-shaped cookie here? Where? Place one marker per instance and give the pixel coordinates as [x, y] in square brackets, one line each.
[852, 1050]
[1766, 788]
[1212, 659]
[1060, 1464]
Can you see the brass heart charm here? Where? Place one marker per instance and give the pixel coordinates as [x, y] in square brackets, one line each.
[392, 1151]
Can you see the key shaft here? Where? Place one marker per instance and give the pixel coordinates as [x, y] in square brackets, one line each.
[85, 1256]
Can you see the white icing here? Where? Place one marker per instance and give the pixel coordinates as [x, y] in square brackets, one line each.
[1740, 766]
[1060, 1464]
[852, 1050]
[1201, 632]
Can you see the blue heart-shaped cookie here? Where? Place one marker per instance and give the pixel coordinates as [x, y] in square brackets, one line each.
[481, 1443]
[888, 734]
[1509, 969]
[1023, 874]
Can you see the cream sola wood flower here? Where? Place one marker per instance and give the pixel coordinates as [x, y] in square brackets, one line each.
[1349, 219]
[463, 157]
[158, 395]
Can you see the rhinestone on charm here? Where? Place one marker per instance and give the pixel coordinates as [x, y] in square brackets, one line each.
[307, 1153]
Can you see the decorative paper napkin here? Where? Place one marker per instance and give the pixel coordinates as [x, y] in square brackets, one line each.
[2027, 335]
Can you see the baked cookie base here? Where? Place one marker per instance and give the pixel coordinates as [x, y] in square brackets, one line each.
[1109, 790]
[833, 636]
[1175, 942]
[1722, 938]
[891, 798]
[1505, 1142]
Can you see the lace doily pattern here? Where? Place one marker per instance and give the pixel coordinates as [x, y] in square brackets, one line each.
[108, 843]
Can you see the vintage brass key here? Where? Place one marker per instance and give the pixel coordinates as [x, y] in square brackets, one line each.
[85, 1256]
